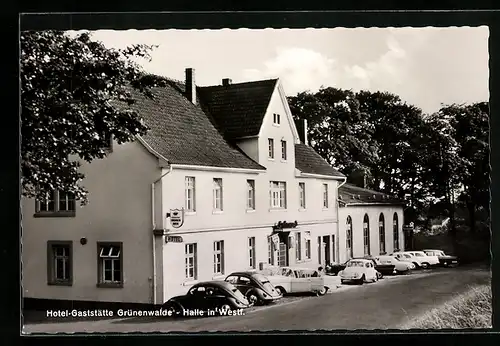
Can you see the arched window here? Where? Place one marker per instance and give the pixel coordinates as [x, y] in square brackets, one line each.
[395, 231]
[366, 235]
[348, 244]
[381, 233]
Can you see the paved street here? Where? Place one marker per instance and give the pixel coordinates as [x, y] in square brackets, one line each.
[386, 304]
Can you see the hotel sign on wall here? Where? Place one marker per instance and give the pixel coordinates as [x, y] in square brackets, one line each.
[176, 217]
[173, 239]
[283, 225]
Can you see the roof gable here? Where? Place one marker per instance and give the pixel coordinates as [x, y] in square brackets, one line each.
[183, 134]
[238, 109]
[307, 160]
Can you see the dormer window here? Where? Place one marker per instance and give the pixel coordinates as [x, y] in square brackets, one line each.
[276, 119]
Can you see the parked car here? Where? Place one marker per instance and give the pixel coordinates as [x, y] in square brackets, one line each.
[359, 271]
[298, 280]
[401, 267]
[420, 261]
[205, 296]
[382, 268]
[444, 259]
[431, 260]
[335, 268]
[254, 286]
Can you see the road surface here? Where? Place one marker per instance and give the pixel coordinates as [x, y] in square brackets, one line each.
[386, 304]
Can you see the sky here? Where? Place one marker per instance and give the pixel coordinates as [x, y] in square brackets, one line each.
[426, 67]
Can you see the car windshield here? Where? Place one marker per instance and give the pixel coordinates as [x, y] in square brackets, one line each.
[238, 294]
[355, 264]
[407, 256]
[440, 253]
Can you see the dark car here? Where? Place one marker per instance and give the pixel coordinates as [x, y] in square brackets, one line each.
[207, 297]
[444, 259]
[254, 286]
[334, 269]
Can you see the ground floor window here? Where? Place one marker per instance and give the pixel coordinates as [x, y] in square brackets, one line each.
[298, 247]
[191, 261]
[219, 257]
[270, 251]
[308, 248]
[251, 252]
[110, 264]
[60, 263]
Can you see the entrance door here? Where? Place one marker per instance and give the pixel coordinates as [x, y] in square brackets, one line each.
[282, 255]
[334, 257]
[326, 247]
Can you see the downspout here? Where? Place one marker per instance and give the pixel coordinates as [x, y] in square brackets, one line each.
[338, 220]
[153, 222]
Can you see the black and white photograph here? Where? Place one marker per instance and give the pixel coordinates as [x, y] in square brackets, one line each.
[255, 180]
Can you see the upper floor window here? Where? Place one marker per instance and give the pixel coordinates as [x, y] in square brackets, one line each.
[325, 196]
[190, 194]
[283, 150]
[271, 148]
[251, 194]
[217, 194]
[278, 194]
[302, 195]
[276, 119]
[57, 202]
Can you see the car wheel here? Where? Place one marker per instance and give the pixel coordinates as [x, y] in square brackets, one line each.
[252, 299]
[281, 290]
[322, 292]
[362, 280]
[425, 265]
[225, 307]
[173, 309]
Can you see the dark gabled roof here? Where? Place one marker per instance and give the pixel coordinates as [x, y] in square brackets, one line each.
[238, 109]
[309, 161]
[183, 134]
[351, 194]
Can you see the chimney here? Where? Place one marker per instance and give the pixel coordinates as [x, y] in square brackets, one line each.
[190, 85]
[305, 132]
[226, 82]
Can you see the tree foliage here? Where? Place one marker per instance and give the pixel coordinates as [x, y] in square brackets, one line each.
[68, 85]
[434, 161]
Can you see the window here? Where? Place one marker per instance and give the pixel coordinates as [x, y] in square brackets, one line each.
[395, 231]
[283, 150]
[110, 264]
[381, 232]
[302, 195]
[298, 247]
[191, 261]
[251, 252]
[276, 119]
[60, 263]
[278, 194]
[325, 196]
[348, 244]
[190, 194]
[366, 235]
[217, 194]
[308, 248]
[57, 202]
[320, 247]
[219, 257]
[251, 194]
[271, 148]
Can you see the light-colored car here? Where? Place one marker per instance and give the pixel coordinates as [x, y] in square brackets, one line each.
[444, 259]
[297, 280]
[420, 260]
[401, 267]
[430, 259]
[359, 271]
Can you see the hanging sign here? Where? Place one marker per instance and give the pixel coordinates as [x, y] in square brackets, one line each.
[276, 240]
[283, 224]
[176, 217]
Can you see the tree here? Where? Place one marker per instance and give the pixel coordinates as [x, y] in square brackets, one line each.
[69, 89]
[337, 129]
